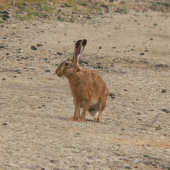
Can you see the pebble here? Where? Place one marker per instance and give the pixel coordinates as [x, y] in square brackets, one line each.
[161, 65]
[142, 53]
[127, 167]
[81, 61]
[25, 58]
[3, 79]
[163, 91]
[112, 95]
[59, 53]
[5, 17]
[48, 71]
[39, 45]
[33, 48]
[166, 110]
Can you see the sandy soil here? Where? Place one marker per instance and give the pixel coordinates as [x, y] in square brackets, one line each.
[130, 51]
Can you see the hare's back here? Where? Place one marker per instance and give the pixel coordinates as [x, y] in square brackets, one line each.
[92, 79]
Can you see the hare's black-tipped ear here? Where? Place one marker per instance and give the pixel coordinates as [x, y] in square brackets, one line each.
[79, 47]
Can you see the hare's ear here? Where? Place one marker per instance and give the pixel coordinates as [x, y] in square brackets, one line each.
[78, 49]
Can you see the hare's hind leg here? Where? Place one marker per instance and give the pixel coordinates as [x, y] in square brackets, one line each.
[102, 104]
[99, 117]
[76, 115]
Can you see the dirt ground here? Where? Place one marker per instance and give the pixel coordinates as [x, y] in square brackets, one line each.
[130, 51]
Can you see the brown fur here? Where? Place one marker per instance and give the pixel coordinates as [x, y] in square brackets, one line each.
[88, 88]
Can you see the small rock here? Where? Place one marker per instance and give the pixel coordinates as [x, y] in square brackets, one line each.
[81, 61]
[83, 4]
[142, 53]
[5, 17]
[4, 123]
[161, 65]
[127, 167]
[100, 47]
[48, 71]
[59, 53]
[66, 5]
[39, 45]
[27, 27]
[4, 12]
[88, 17]
[98, 66]
[33, 48]
[7, 53]
[163, 91]
[3, 79]
[113, 47]
[166, 110]
[19, 50]
[151, 38]
[24, 58]
[112, 95]
[104, 6]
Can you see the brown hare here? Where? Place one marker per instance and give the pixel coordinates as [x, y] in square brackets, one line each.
[88, 88]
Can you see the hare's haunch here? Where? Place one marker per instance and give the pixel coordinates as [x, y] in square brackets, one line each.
[88, 88]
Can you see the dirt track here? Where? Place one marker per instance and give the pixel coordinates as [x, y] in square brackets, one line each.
[35, 104]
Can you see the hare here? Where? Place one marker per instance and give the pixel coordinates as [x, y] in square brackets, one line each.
[88, 89]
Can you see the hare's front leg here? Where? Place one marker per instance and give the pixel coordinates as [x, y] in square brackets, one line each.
[83, 115]
[76, 115]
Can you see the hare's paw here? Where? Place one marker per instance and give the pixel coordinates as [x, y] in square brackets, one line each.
[82, 119]
[98, 119]
[73, 118]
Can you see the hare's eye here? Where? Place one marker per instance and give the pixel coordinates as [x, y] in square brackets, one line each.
[67, 64]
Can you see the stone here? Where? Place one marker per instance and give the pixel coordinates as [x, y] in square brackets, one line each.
[163, 91]
[39, 45]
[59, 53]
[33, 48]
[142, 53]
[166, 110]
[112, 95]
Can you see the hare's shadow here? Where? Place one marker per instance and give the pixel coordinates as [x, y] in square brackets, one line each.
[67, 119]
